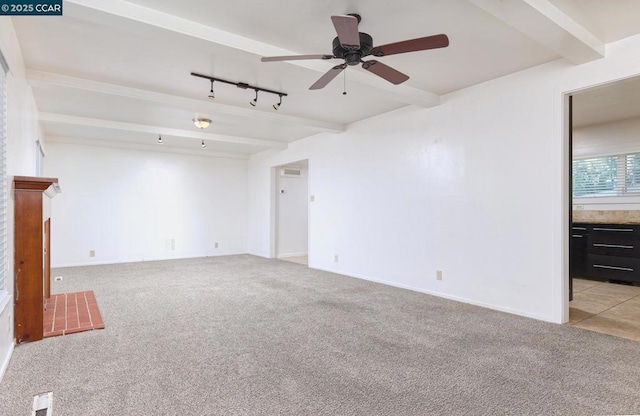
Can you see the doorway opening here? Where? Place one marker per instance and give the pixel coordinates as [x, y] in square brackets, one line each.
[292, 212]
[604, 232]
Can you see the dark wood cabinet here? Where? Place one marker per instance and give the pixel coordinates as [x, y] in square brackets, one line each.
[606, 251]
[31, 256]
[578, 250]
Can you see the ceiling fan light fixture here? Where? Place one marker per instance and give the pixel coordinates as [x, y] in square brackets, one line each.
[202, 122]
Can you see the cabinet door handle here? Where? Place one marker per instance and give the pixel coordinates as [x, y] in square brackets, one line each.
[579, 228]
[624, 269]
[577, 235]
[611, 245]
[613, 229]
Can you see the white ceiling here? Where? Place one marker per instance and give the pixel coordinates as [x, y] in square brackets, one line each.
[118, 72]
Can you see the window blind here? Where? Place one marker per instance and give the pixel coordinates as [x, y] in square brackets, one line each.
[617, 175]
[632, 177]
[3, 175]
[595, 177]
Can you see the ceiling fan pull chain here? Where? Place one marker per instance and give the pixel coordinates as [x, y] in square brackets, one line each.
[344, 88]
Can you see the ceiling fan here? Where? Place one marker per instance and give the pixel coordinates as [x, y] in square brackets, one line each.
[352, 45]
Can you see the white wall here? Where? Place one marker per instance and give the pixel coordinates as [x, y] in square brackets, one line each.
[22, 133]
[613, 138]
[476, 187]
[128, 205]
[293, 207]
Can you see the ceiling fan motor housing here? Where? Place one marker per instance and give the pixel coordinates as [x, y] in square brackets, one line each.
[353, 56]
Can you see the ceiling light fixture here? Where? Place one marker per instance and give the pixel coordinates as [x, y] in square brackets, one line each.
[204, 146]
[244, 86]
[202, 122]
[276, 106]
[160, 139]
[212, 96]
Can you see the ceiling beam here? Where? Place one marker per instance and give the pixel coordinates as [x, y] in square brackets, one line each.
[68, 120]
[131, 16]
[40, 78]
[145, 147]
[545, 23]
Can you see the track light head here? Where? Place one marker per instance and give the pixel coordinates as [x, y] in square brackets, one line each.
[211, 96]
[160, 139]
[278, 104]
[255, 100]
[204, 146]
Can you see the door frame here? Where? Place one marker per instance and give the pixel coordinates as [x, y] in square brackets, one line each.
[275, 198]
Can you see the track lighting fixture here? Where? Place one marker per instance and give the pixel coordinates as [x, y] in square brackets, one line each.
[276, 106]
[204, 146]
[211, 94]
[202, 122]
[244, 86]
[160, 139]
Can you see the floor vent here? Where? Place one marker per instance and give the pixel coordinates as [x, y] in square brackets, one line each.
[43, 404]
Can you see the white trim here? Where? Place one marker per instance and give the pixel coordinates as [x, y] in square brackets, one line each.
[102, 263]
[287, 255]
[618, 200]
[3, 63]
[440, 295]
[5, 299]
[5, 362]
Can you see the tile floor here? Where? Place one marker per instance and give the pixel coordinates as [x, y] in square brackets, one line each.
[298, 259]
[68, 313]
[606, 307]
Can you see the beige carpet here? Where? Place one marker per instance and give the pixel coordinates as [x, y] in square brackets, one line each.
[242, 335]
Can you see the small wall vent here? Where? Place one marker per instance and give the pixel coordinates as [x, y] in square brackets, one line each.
[290, 172]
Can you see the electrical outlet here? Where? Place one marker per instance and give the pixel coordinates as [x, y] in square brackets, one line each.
[216, 245]
[92, 253]
[438, 274]
[335, 258]
[58, 278]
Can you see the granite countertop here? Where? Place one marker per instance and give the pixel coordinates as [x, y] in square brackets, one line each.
[622, 217]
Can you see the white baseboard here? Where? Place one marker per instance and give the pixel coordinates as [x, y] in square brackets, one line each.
[5, 361]
[442, 295]
[102, 263]
[287, 255]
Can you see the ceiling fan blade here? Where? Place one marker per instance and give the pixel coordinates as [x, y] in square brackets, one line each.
[347, 30]
[412, 45]
[328, 76]
[384, 71]
[294, 57]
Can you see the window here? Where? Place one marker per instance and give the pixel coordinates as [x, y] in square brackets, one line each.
[3, 177]
[617, 175]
